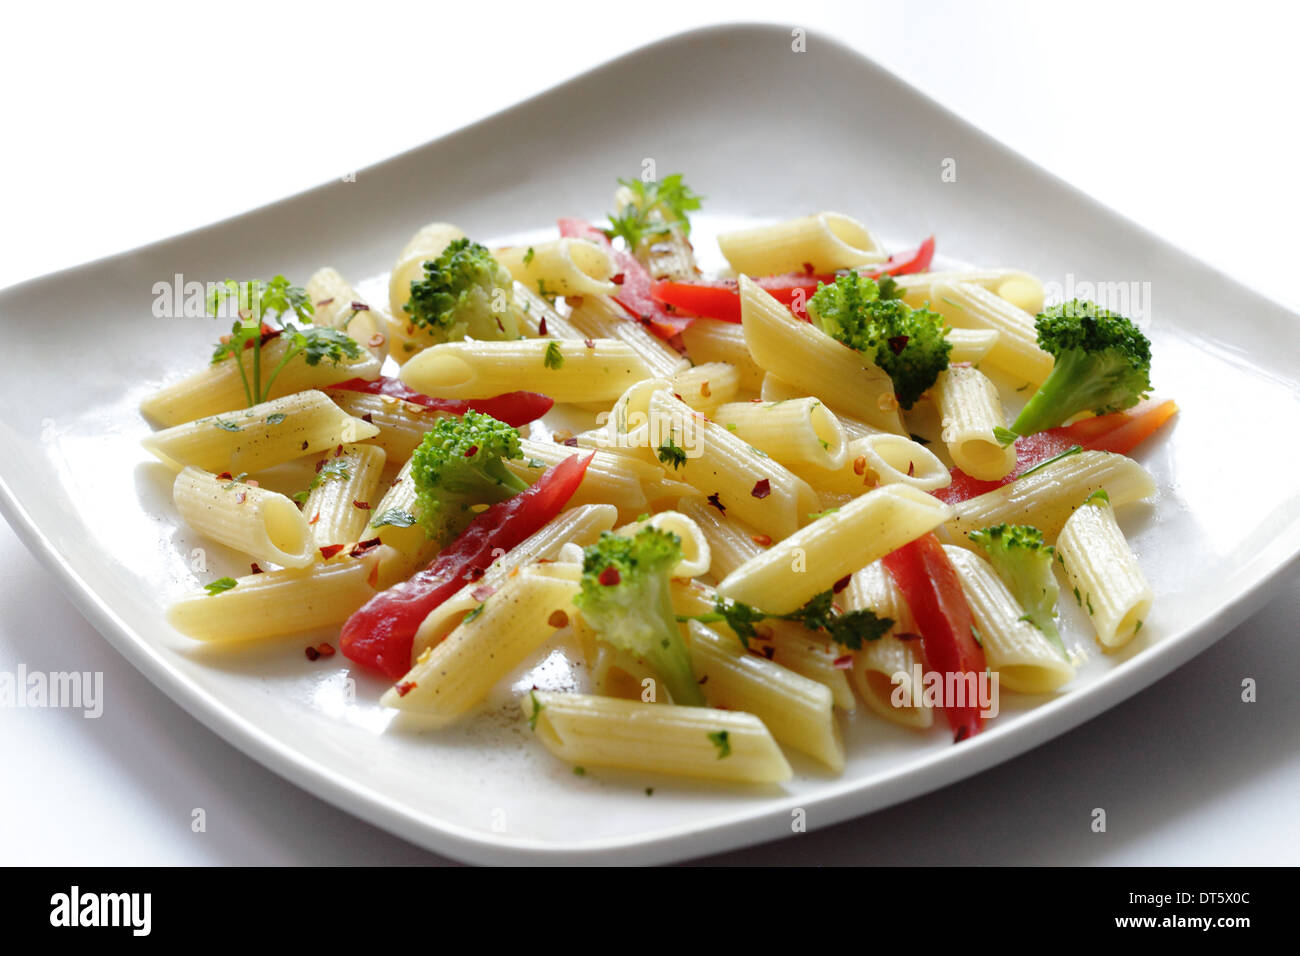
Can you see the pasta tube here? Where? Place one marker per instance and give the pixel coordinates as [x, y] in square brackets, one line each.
[600, 317]
[590, 731]
[561, 267]
[342, 493]
[801, 431]
[971, 414]
[1022, 657]
[787, 575]
[827, 241]
[883, 670]
[262, 524]
[276, 603]
[1103, 573]
[1045, 497]
[799, 712]
[709, 340]
[566, 371]
[1016, 351]
[811, 360]
[259, 437]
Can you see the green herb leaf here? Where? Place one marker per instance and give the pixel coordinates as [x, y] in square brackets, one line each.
[722, 740]
[394, 517]
[219, 585]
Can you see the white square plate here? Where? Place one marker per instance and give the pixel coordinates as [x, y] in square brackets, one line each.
[743, 117]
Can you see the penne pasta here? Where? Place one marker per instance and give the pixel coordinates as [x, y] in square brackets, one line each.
[705, 387]
[971, 345]
[1103, 573]
[404, 338]
[1022, 657]
[321, 595]
[538, 318]
[821, 243]
[799, 712]
[731, 541]
[747, 483]
[810, 561]
[451, 678]
[337, 305]
[599, 317]
[800, 431]
[811, 360]
[219, 388]
[968, 306]
[1015, 286]
[879, 459]
[566, 371]
[970, 414]
[579, 526]
[342, 492]
[590, 731]
[709, 340]
[696, 556]
[263, 524]
[610, 478]
[395, 521]
[561, 267]
[259, 437]
[883, 670]
[401, 425]
[1046, 496]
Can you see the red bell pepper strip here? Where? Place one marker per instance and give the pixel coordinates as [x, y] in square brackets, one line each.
[513, 408]
[720, 298]
[1118, 432]
[634, 291]
[381, 634]
[933, 592]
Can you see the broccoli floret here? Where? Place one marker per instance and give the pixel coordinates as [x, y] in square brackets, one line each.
[1103, 364]
[461, 464]
[1024, 563]
[465, 291]
[625, 596]
[911, 345]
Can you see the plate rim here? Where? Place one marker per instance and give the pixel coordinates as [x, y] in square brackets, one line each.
[840, 800]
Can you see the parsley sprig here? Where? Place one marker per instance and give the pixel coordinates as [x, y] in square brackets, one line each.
[259, 301]
[657, 207]
[847, 628]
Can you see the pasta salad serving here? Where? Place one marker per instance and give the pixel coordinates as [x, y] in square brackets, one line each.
[748, 503]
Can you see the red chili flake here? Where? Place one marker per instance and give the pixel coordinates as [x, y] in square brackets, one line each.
[367, 417]
[325, 650]
[714, 500]
[473, 574]
[705, 392]
[361, 547]
[319, 465]
[703, 680]
[843, 663]
[256, 569]
[471, 451]
[377, 340]
[762, 540]
[756, 401]
[808, 268]
[571, 442]
[541, 327]
[483, 592]
[618, 279]
[573, 301]
[405, 687]
[768, 651]
[859, 464]
[338, 451]
[241, 497]
[312, 654]
[911, 468]
[324, 302]
[841, 584]
[908, 636]
[330, 550]
[225, 476]
[590, 343]
[304, 445]
[314, 518]
[360, 307]
[558, 618]
[762, 488]
[363, 505]
[897, 343]
[610, 576]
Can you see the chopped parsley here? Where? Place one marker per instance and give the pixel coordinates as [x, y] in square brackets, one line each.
[537, 709]
[394, 517]
[554, 358]
[670, 453]
[219, 585]
[722, 740]
[1004, 436]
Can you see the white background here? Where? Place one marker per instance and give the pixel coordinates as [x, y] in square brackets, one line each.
[122, 125]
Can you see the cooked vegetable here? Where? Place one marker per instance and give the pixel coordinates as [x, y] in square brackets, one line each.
[465, 291]
[1023, 560]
